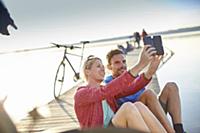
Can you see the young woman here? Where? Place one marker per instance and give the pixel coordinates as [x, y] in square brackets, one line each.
[95, 105]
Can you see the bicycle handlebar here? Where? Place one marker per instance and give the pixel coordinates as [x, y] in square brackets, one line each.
[65, 46]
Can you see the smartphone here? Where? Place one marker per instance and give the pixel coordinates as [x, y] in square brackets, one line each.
[148, 40]
[156, 42]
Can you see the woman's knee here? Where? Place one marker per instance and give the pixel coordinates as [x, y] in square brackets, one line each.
[123, 114]
[127, 106]
[140, 106]
[131, 109]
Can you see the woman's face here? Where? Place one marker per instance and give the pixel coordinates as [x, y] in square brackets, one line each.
[97, 71]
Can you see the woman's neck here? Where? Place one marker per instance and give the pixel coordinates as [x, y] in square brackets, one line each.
[94, 84]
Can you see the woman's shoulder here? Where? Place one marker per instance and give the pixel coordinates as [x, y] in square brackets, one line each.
[82, 88]
[83, 91]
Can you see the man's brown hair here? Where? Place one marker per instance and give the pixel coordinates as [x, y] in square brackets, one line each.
[112, 53]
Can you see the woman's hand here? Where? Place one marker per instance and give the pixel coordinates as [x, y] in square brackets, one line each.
[153, 66]
[146, 56]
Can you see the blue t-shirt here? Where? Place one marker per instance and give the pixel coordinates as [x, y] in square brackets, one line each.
[130, 98]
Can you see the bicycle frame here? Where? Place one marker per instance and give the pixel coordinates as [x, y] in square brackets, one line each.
[62, 64]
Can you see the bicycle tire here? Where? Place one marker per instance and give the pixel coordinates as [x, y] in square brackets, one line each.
[59, 70]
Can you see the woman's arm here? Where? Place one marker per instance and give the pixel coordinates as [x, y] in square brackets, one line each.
[86, 95]
[143, 79]
[139, 83]
[121, 84]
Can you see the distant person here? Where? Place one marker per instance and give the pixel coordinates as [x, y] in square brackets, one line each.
[137, 39]
[95, 104]
[126, 49]
[5, 20]
[169, 98]
[144, 33]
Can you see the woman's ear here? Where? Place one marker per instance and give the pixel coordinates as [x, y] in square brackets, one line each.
[87, 72]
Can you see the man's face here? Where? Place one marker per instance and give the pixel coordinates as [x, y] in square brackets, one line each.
[117, 65]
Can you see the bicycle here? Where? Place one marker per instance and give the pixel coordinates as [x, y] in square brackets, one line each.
[61, 68]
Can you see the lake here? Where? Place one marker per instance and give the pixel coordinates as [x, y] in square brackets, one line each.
[183, 68]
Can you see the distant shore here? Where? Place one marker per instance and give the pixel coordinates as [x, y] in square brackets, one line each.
[180, 30]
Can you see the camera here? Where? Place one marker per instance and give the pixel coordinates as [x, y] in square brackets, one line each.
[156, 42]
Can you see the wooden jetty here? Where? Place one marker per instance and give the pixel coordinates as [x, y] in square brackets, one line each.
[62, 116]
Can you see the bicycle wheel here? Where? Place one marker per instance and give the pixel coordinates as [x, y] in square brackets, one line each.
[59, 80]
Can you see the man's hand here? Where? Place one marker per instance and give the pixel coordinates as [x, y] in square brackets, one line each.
[153, 66]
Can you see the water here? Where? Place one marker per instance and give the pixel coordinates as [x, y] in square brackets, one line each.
[28, 78]
[183, 68]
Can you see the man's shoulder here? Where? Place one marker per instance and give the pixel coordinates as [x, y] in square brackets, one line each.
[108, 79]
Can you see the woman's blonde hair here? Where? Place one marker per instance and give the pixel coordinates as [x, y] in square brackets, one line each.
[88, 64]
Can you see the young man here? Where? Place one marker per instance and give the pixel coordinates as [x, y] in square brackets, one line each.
[169, 98]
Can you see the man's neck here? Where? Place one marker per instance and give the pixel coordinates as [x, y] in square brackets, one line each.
[115, 76]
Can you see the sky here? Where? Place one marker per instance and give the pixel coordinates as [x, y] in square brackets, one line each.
[27, 78]
[69, 21]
